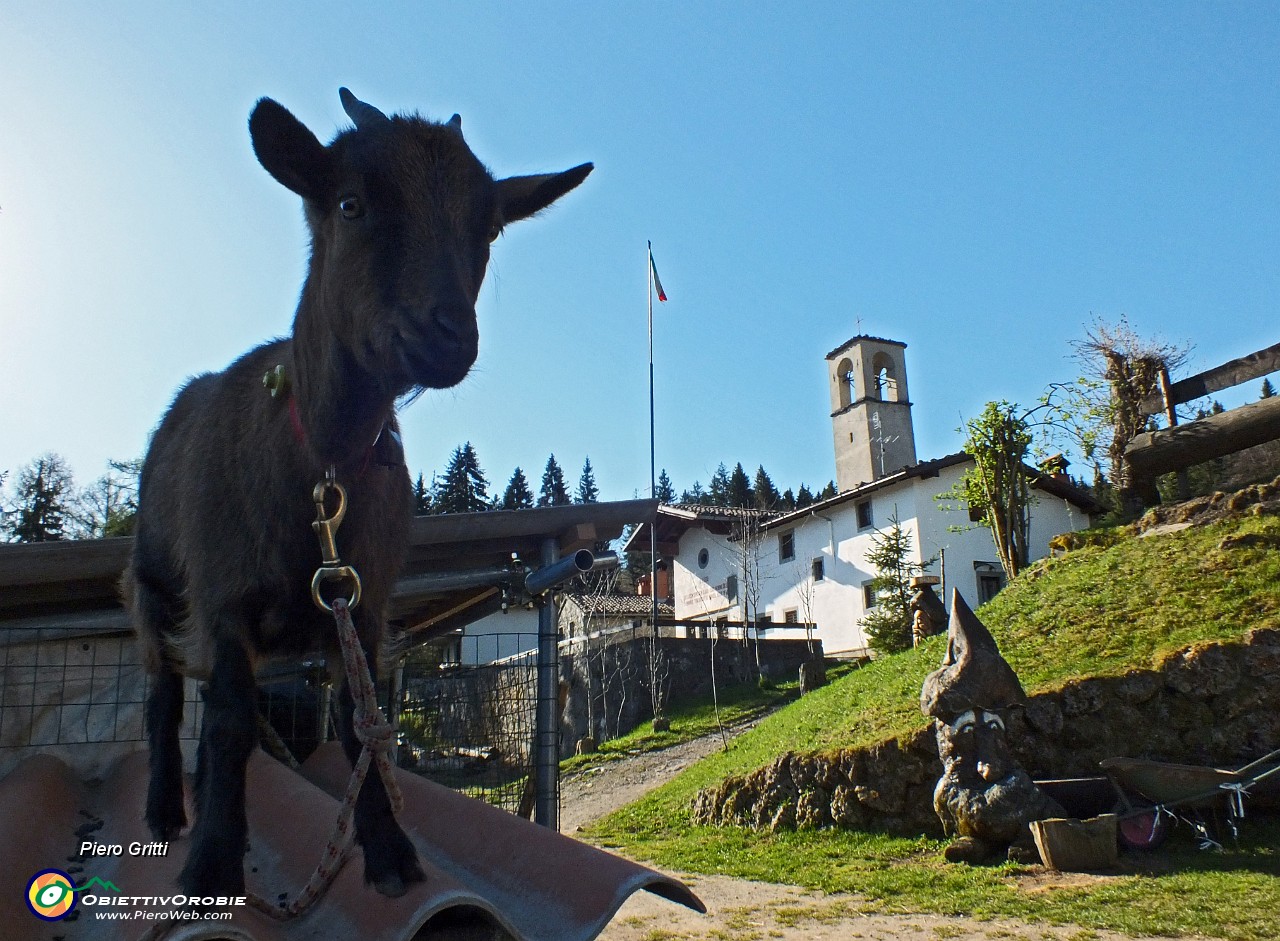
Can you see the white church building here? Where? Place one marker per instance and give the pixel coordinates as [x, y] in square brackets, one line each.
[810, 565]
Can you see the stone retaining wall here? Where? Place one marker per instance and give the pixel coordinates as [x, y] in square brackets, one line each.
[1212, 704]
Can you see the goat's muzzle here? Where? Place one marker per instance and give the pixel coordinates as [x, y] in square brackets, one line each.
[444, 347]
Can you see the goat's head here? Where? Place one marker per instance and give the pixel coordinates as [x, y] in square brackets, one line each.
[401, 215]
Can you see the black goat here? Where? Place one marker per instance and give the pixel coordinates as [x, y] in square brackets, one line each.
[401, 216]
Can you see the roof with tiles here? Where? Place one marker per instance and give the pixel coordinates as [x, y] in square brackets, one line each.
[626, 606]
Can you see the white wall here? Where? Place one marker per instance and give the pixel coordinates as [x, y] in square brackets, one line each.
[836, 603]
[700, 592]
[499, 635]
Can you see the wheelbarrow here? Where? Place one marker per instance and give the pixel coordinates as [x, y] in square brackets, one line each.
[1155, 794]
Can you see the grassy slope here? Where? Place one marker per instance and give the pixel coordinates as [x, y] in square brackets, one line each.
[1096, 611]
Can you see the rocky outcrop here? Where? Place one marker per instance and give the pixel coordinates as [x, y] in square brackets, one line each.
[1212, 704]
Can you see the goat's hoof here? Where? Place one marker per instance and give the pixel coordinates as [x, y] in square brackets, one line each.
[392, 874]
[165, 823]
[392, 886]
[204, 876]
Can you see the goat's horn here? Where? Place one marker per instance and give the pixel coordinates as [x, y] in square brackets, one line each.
[455, 124]
[364, 115]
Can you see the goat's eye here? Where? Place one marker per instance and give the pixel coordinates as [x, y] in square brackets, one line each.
[351, 208]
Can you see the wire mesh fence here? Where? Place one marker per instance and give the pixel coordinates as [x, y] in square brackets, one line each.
[468, 722]
[465, 707]
[79, 697]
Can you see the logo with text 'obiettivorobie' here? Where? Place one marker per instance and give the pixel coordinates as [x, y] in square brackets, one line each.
[51, 893]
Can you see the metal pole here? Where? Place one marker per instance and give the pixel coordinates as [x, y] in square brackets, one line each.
[546, 807]
[395, 694]
[653, 479]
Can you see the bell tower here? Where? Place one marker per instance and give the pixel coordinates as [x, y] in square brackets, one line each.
[870, 411]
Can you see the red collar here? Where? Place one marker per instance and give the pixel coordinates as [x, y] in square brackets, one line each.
[386, 449]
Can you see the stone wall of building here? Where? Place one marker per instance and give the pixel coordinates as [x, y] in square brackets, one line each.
[1210, 704]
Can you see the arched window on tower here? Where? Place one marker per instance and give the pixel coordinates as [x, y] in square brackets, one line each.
[845, 380]
[886, 381]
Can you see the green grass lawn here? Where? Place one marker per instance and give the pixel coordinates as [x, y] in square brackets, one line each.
[697, 717]
[1096, 611]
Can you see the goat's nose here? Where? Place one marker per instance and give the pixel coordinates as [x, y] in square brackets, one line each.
[453, 322]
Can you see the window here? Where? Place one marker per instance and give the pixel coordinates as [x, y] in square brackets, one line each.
[731, 588]
[990, 577]
[787, 546]
[868, 594]
[818, 569]
[791, 616]
[703, 558]
[865, 519]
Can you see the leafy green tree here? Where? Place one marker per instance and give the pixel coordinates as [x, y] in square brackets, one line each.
[997, 488]
[888, 624]
[587, 491]
[42, 501]
[666, 493]
[553, 492]
[765, 493]
[109, 506]
[739, 493]
[517, 496]
[463, 488]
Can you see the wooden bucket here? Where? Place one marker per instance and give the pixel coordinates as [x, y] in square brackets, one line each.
[1072, 845]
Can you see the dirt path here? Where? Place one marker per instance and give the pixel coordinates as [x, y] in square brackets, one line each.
[738, 910]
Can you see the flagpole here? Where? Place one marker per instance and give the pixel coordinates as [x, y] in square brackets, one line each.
[653, 480]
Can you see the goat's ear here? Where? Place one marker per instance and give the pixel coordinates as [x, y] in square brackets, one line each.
[522, 196]
[289, 151]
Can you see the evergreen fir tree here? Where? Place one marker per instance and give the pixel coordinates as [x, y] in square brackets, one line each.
[888, 624]
[787, 502]
[828, 491]
[694, 494]
[588, 492]
[739, 493]
[517, 496]
[665, 493]
[42, 505]
[766, 494]
[553, 492]
[421, 496]
[463, 489]
[804, 497]
[718, 491]
[1267, 390]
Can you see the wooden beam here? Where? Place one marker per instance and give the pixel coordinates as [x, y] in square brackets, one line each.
[1253, 366]
[1169, 449]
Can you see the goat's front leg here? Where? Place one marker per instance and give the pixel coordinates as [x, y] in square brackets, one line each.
[215, 862]
[390, 861]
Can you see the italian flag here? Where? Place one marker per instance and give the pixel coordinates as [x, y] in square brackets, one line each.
[657, 282]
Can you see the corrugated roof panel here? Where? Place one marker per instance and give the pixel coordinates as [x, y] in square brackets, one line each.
[534, 883]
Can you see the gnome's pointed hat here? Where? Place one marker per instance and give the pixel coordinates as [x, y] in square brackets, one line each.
[973, 675]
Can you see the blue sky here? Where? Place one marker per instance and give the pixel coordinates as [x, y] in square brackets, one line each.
[976, 180]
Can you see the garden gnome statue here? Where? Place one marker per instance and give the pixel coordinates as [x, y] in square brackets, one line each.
[984, 800]
[928, 616]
